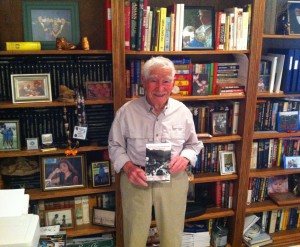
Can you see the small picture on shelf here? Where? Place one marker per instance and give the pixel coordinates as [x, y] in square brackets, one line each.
[200, 84]
[198, 31]
[293, 13]
[63, 217]
[9, 135]
[287, 121]
[278, 184]
[227, 162]
[291, 162]
[98, 89]
[101, 173]
[61, 172]
[263, 83]
[219, 123]
[103, 217]
[32, 143]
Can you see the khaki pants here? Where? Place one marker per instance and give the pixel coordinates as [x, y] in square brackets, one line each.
[169, 200]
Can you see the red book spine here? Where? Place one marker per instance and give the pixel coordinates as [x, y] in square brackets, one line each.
[218, 198]
[108, 36]
[214, 81]
[127, 24]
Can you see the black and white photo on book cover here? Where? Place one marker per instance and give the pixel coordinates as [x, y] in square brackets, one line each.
[158, 156]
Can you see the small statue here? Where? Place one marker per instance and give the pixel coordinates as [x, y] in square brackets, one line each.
[85, 43]
[63, 44]
[65, 94]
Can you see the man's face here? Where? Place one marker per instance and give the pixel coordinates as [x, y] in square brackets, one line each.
[159, 86]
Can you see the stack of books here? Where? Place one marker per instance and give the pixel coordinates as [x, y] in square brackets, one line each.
[195, 234]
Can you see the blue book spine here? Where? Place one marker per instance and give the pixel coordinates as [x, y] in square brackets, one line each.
[168, 33]
[295, 70]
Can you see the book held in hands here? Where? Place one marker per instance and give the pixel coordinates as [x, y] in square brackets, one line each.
[158, 156]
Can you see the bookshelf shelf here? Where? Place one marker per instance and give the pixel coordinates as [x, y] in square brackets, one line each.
[55, 52]
[272, 171]
[273, 134]
[212, 213]
[37, 194]
[187, 53]
[88, 229]
[219, 139]
[26, 153]
[286, 238]
[267, 205]
[277, 36]
[212, 177]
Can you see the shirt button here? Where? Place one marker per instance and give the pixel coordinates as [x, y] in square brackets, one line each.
[156, 134]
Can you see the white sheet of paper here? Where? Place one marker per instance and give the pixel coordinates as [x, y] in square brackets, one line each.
[13, 202]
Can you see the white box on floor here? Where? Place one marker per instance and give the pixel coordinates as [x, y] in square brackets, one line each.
[20, 231]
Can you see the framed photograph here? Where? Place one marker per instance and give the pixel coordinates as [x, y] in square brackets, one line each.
[227, 162]
[287, 121]
[101, 175]
[198, 29]
[63, 172]
[278, 184]
[291, 162]
[293, 13]
[32, 143]
[98, 89]
[29, 88]
[103, 217]
[46, 21]
[63, 217]
[9, 135]
[219, 123]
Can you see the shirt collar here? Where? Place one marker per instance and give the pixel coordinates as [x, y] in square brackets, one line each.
[150, 107]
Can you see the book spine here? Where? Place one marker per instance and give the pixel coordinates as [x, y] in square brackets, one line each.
[140, 13]
[133, 24]
[108, 31]
[162, 29]
[23, 46]
[127, 24]
[85, 210]
[78, 210]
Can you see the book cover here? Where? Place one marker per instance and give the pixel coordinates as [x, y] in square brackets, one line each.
[158, 156]
[279, 71]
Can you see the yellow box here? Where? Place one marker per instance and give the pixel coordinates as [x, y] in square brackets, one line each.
[23, 46]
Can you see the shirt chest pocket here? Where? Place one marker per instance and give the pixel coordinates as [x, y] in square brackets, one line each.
[176, 132]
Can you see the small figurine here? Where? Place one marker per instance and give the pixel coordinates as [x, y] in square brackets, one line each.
[63, 44]
[85, 43]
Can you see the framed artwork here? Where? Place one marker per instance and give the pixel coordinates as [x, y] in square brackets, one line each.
[227, 162]
[46, 21]
[219, 123]
[32, 143]
[30, 88]
[9, 135]
[278, 184]
[198, 29]
[101, 175]
[63, 217]
[287, 121]
[103, 217]
[291, 162]
[63, 172]
[293, 13]
[98, 89]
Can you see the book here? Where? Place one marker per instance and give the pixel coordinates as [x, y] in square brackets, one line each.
[250, 220]
[23, 46]
[270, 17]
[158, 156]
[127, 24]
[162, 29]
[78, 210]
[108, 31]
[85, 210]
[261, 240]
[279, 71]
[134, 7]
[273, 68]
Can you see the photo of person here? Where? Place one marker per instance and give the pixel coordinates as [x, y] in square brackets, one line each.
[278, 184]
[9, 136]
[219, 122]
[101, 173]
[62, 217]
[198, 28]
[294, 18]
[63, 172]
[291, 162]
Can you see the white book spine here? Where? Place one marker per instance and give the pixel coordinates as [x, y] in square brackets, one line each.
[235, 117]
[85, 210]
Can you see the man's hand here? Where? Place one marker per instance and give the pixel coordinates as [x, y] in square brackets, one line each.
[135, 174]
[178, 164]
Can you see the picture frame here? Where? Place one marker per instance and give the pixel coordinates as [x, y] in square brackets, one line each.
[56, 168]
[101, 173]
[98, 89]
[31, 88]
[32, 143]
[287, 121]
[293, 11]
[291, 162]
[9, 135]
[227, 162]
[198, 28]
[63, 217]
[219, 123]
[103, 217]
[46, 21]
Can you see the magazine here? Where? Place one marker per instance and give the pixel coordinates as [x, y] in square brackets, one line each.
[158, 156]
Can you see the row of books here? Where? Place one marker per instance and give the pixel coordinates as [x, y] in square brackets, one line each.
[198, 79]
[34, 122]
[267, 112]
[81, 205]
[279, 220]
[174, 28]
[267, 153]
[279, 70]
[71, 71]
[219, 194]
[208, 158]
[216, 118]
